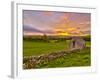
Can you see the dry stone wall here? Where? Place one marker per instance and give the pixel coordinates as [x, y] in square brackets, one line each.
[33, 61]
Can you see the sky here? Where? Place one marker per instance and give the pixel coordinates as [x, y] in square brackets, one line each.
[56, 23]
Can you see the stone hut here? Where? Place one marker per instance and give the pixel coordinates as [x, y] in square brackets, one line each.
[77, 43]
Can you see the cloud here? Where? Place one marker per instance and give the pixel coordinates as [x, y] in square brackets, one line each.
[85, 23]
[48, 13]
[28, 28]
[31, 29]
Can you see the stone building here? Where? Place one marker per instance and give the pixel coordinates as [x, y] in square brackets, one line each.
[77, 43]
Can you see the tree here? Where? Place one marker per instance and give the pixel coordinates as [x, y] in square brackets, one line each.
[45, 38]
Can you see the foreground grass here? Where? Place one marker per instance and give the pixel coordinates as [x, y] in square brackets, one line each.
[78, 58]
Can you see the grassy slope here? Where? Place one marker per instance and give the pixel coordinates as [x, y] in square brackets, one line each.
[79, 58]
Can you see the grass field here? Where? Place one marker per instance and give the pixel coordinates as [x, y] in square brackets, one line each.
[32, 48]
[74, 59]
[78, 58]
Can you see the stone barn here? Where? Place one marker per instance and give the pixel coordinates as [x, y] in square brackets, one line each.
[77, 43]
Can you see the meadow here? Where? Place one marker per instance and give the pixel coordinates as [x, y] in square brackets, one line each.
[74, 59]
[37, 48]
[78, 58]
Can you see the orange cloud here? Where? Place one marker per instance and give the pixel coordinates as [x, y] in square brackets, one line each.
[61, 32]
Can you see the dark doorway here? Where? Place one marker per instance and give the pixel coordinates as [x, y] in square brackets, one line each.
[74, 44]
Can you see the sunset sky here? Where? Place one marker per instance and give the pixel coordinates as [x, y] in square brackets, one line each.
[56, 23]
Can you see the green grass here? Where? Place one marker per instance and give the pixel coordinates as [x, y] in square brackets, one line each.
[88, 43]
[78, 58]
[74, 59]
[31, 48]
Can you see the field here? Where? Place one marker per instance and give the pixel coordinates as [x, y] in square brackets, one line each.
[36, 48]
[74, 59]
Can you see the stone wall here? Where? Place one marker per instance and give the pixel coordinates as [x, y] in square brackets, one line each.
[33, 61]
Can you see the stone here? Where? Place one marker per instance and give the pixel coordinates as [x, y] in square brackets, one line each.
[77, 43]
